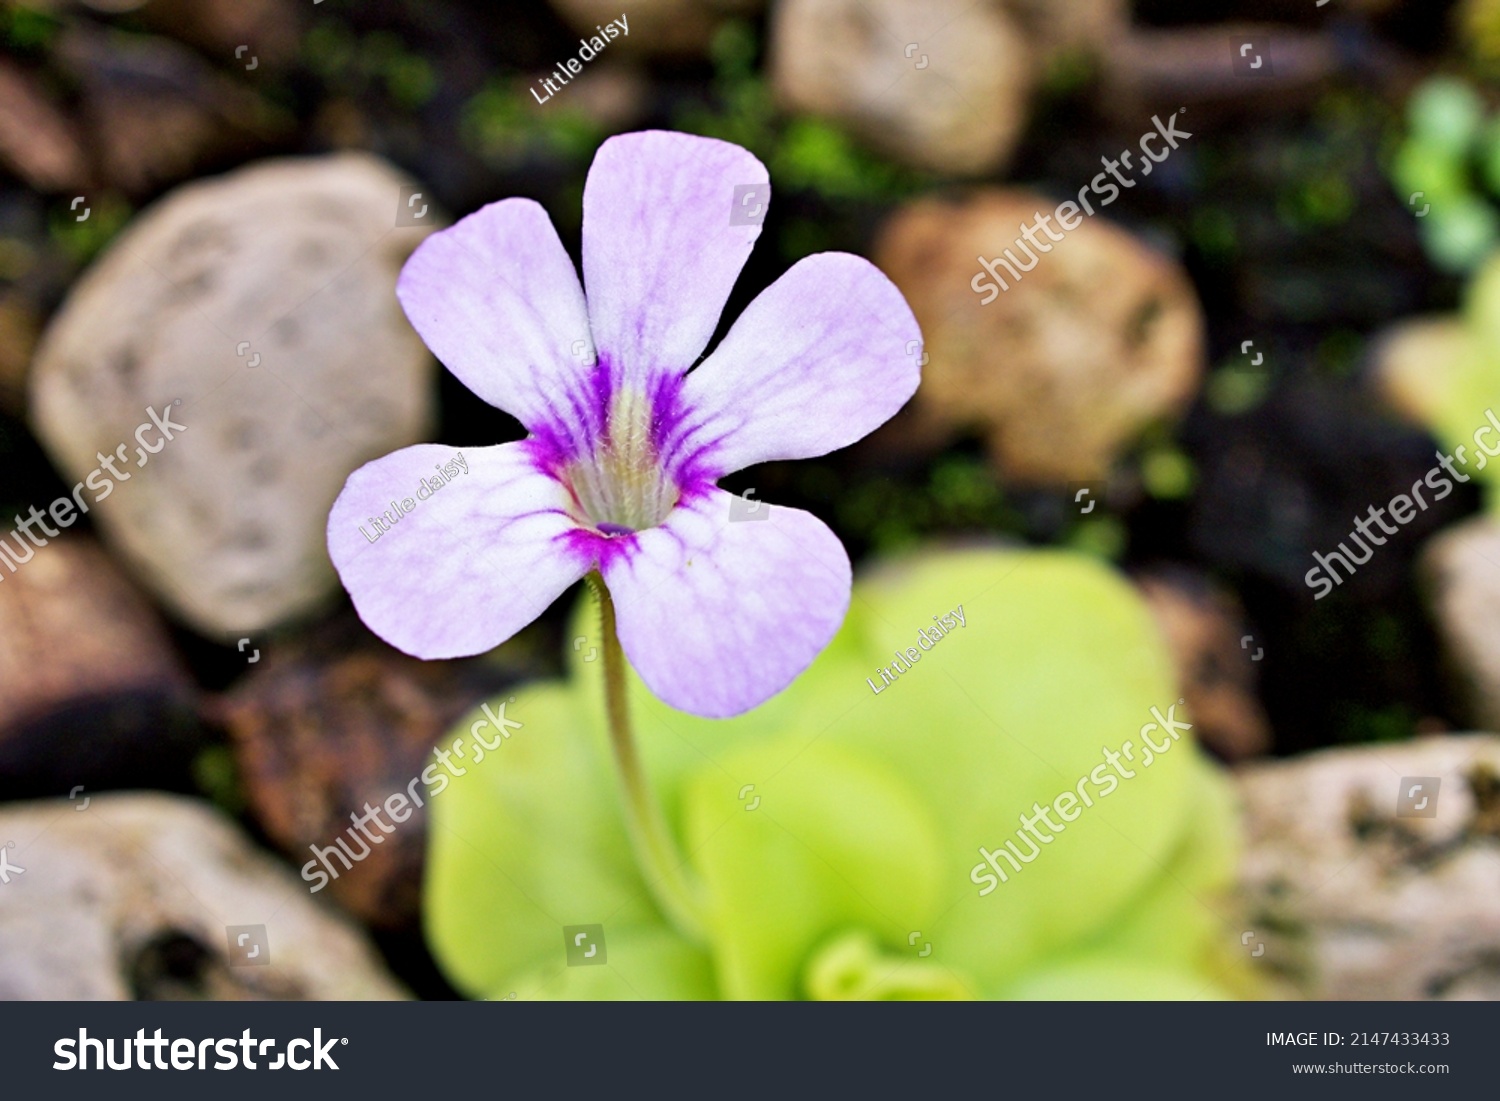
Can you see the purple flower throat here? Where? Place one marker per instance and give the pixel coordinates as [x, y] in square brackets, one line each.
[630, 460]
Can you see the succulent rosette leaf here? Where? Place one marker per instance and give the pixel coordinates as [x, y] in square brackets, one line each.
[834, 829]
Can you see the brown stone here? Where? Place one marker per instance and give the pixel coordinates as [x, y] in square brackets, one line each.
[258, 308]
[37, 140]
[74, 628]
[1216, 666]
[156, 112]
[1150, 70]
[19, 331]
[272, 28]
[1060, 372]
[317, 737]
[1415, 361]
[1089, 25]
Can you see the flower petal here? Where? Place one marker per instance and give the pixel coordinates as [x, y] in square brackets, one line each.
[825, 355]
[660, 250]
[497, 299]
[464, 567]
[718, 616]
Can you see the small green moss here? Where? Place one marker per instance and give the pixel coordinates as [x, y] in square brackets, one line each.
[1338, 354]
[1104, 538]
[802, 153]
[330, 50]
[734, 51]
[84, 240]
[1489, 157]
[1237, 388]
[1168, 474]
[216, 776]
[28, 30]
[500, 125]
[411, 80]
[820, 157]
[1213, 232]
[964, 487]
[1449, 155]
[1069, 73]
[804, 236]
[1323, 201]
[1358, 724]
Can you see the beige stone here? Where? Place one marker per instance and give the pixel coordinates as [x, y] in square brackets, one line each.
[1351, 900]
[110, 892]
[1416, 360]
[1089, 25]
[1460, 567]
[943, 86]
[259, 310]
[1061, 371]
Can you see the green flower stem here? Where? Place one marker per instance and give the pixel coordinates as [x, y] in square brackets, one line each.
[663, 868]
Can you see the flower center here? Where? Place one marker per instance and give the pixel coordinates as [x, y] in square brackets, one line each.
[622, 487]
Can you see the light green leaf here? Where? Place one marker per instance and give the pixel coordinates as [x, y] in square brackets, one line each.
[853, 874]
[1447, 113]
[527, 841]
[645, 965]
[832, 840]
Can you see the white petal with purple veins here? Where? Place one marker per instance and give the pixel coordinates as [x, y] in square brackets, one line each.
[660, 248]
[825, 355]
[497, 299]
[718, 616]
[468, 565]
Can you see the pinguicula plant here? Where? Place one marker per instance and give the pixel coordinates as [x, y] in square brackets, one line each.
[718, 603]
[751, 808]
[835, 833]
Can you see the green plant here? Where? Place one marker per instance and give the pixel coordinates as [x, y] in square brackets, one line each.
[834, 830]
[1448, 169]
[803, 154]
[82, 241]
[501, 125]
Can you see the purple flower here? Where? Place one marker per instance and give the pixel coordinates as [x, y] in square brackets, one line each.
[618, 473]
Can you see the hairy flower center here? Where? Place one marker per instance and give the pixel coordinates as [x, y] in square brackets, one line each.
[622, 487]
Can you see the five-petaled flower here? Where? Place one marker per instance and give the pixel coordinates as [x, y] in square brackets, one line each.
[627, 444]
